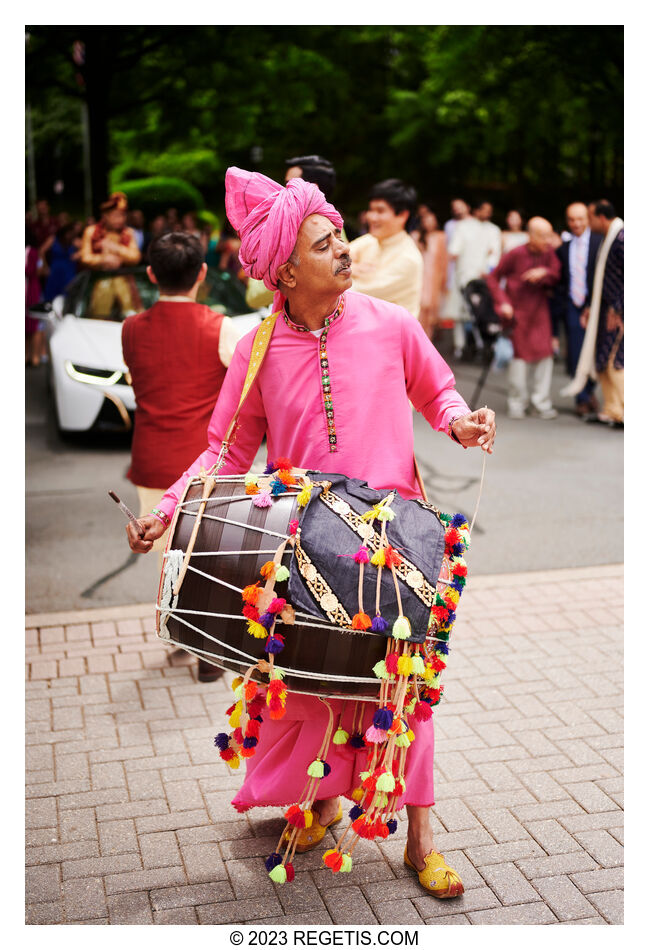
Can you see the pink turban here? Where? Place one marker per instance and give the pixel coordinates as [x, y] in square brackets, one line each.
[267, 217]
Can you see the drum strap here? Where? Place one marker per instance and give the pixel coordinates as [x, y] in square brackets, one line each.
[259, 349]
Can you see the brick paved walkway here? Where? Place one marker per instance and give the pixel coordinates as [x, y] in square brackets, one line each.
[128, 816]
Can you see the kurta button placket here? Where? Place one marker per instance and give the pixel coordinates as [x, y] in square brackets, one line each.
[325, 377]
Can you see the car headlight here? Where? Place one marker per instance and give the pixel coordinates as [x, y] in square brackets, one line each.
[96, 377]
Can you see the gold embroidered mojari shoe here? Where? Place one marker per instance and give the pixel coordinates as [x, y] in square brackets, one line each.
[310, 837]
[437, 877]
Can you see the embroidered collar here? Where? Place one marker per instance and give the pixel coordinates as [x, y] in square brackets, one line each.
[340, 306]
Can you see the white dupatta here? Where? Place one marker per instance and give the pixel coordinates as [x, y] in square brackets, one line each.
[586, 365]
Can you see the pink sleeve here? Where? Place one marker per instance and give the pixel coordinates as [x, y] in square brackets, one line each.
[250, 432]
[429, 381]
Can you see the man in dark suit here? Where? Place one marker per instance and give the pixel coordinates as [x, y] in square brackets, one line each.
[572, 293]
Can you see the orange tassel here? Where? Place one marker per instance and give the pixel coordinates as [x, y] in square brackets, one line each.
[267, 569]
[250, 594]
[361, 622]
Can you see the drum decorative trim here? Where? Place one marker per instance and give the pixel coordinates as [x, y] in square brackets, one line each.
[320, 589]
[406, 570]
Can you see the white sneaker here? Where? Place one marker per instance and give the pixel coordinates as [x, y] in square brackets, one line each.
[516, 413]
[548, 414]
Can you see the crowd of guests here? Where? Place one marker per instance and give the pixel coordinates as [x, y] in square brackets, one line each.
[539, 281]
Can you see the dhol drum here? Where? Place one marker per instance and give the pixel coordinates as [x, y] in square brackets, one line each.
[200, 596]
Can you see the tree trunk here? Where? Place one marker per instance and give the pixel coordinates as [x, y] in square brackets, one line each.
[97, 74]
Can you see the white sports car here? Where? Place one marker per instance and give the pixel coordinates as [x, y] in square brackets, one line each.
[89, 378]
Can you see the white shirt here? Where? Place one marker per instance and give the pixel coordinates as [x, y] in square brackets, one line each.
[574, 244]
[476, 244]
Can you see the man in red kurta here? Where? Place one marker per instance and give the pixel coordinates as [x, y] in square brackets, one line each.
[529, 272]
[177, 353]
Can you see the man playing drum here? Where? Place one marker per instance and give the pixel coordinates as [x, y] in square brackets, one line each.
[333, 394]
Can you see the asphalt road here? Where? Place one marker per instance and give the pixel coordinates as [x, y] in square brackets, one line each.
[552, 497]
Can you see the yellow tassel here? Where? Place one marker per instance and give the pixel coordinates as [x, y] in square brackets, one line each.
[304, 496]
[235, 716]
[257, 630]
[378, 559]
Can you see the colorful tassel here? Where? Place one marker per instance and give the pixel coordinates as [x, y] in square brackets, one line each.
[277, 487]
[383, 719]
[422, 712]
[340, 736]
[256, 630]
[221, 741]
[372, 734]
[278, 874]
[316, 769]
[385, 514]
[284, 463]
[362, 556]
[401, 629]
[252, 489]
[404, 666]
[379, 624]
[282, 574]
[392, 662]
[392, 825]
[418, 666]
[355, 812]
[274, 644]
[392, 558]
[268, 569]
[380, 670]
[378, 558]
[286, 478]
[263, 499]
[251, 593]
[346, 866]
[356, 741]
[385, 783]
[304, 496]
[293, 526]
[361, 621]
[273, 860]
[267, 620]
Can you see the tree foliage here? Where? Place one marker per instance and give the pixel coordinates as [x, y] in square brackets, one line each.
[525, 114]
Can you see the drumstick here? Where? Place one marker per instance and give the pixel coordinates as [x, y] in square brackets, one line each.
[129, 514]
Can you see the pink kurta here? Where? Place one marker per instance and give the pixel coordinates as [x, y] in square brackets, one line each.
[379, 360]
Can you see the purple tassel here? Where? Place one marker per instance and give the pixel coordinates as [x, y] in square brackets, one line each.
[458, 520]
[355, 812]
[379, 624]
[441, 648]
[267, 620]
[457, 550]
[273, 645]
[273, 860]
[222, 741]
[383, 719]
[250, 742]
[327, 769]
[357, 741]
[270, 468]
[392, 825]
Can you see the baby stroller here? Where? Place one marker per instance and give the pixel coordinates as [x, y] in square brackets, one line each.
[486, 329]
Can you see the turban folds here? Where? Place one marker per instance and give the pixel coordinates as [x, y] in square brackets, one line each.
[267, 217]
